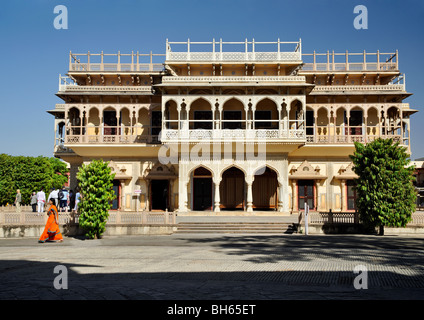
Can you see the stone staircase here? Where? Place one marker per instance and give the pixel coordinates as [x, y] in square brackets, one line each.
[239, 227]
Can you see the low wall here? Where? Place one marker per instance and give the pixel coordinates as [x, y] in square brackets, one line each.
[347, 228]
[31, 231]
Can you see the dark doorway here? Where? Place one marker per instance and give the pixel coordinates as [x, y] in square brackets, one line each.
[264, 190]
[202, 189]
[351, 195]
[305, 189]
[232, 189]
[159, 191]
[115, 202]
[110, 122]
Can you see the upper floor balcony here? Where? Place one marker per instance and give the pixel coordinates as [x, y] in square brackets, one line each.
[329, 123]
[115, 62]
[233, 52]
[69, 86]
[262, 122]
[350, 62]
[233, 80]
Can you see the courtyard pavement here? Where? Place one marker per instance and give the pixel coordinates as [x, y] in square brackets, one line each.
[214, 267]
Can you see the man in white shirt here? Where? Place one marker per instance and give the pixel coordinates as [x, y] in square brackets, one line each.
[54, 196]
[41, 200]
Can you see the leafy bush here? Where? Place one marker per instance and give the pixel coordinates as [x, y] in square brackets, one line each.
[96, 188]
[385, 191]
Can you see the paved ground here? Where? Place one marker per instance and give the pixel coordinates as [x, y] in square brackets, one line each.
[217, 266]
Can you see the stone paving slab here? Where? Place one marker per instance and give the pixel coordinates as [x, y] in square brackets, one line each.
[218, 267]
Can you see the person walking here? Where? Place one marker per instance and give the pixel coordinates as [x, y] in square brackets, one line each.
[71, 200]
[54, 195]
[34, 202]
[41, 200]
[77, 200]
[18, 200]
[51, 230]
[63, 197]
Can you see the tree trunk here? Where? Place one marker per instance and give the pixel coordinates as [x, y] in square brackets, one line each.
[381, 231]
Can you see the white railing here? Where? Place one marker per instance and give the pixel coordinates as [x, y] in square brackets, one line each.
[281, 51]
[67, 85]
[233, 56]
[170, 79]
[348, 61]
[349, 66]
[336, 88]
[121, 62]
[315, 217]
[8, 216]
[232, 134]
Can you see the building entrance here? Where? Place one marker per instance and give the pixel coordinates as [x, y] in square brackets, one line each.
[232, 189]
[159, 191]
[202, 189]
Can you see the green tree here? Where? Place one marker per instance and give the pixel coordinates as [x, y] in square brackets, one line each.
[96, 188]
[29, 174]
[384, 187]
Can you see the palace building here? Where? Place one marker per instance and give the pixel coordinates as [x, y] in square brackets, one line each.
[229, 126]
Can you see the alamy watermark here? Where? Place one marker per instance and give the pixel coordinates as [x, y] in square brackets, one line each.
[361, 20]
[361, 280]
[61, 20]
[60, 281]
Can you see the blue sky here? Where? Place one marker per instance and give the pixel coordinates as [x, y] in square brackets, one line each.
[33, 52]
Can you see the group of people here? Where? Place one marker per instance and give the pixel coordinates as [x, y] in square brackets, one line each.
[62, 199]
[57, 197]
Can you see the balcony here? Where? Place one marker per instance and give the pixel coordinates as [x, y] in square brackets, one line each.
[247, 51]
[230, 135]
[110, 135]
[169, 80]
[104, 62]
[349, 134]
[66, 85]
[357, 89]
[350, 62]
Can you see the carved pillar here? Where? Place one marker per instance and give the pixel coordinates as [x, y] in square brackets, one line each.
[121, 205]
[182, 188]
[249, 200]
[217, 200]
[294, 196]
[343, 195]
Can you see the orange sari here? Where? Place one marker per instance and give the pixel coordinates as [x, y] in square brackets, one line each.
[51, 231]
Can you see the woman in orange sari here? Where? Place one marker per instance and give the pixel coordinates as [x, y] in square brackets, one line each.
[51, 231]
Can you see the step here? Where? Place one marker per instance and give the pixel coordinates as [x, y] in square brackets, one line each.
[230, 227]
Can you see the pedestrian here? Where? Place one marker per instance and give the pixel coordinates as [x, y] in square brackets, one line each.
[63, 197]
[71, 200]
[34, 202]
[77, 200]
[51, 231]
[53, 195]
[18, 200]
[41, 200]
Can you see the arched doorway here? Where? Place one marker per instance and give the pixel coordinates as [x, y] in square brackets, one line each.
[264, 190]
[202, 189]
[232, 189]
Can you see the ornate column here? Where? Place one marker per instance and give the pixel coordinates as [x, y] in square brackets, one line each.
[217, 200]
[249, 197]
[280, 196]
[182, 187]
[121, 205]
[343, 195]
[294, 196]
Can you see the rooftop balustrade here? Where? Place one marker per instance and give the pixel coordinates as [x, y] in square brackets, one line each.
[111, 62]
[352, 62]
[220, 51]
